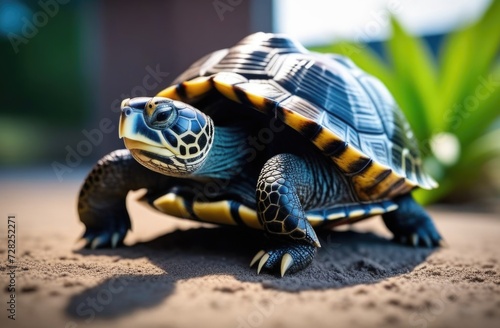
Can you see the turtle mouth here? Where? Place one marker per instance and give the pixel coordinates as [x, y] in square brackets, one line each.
[140, 148]
[158, 159]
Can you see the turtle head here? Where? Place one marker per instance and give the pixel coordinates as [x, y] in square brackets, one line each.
[166, 136]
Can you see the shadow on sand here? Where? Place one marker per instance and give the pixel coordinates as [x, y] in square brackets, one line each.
[345, 259]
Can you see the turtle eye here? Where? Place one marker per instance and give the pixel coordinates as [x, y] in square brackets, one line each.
[161, 117]
[164, 116]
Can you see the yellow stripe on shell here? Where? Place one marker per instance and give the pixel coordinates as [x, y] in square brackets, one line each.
[383, 185]
[170, 92]
[198, 87]
[172, 204]
[402, 189]
[214, 212]
[364, 183]
[249, 217]
[225, 88]
[349, 155]
[356, 213]
[315, 220]
[253, 92]
[225, 83]
[335, 216]
[258, 101]
[391, 208]
[367, 177]
[376, 211]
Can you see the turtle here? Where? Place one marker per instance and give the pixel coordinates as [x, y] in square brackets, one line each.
[265, 135]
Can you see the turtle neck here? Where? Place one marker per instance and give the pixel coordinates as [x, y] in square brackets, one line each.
[229, 153]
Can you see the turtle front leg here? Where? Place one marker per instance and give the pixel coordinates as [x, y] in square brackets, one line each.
[411, 225]
[283, 186]
[101, 202]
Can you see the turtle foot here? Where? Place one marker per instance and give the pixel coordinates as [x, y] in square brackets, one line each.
[424, 235]
[285, 258]
[105, 229]
[411, 225]
[103, 239]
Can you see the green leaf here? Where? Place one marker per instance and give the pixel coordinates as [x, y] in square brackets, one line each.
[461, 97]
[417, 82]
[466, 58]
[480, 151]
[482, 109]
[467, 169]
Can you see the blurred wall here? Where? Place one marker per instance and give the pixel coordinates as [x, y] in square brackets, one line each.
[68, 64]
[136, 48]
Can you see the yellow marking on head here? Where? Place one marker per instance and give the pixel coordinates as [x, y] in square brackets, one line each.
[214, 212]
[150, 108]
[315, 220]
[356, 213]
[249, 217]
[121, 126]
[172, 204]
[170, 92]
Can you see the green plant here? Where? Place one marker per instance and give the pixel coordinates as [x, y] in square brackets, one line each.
[451, 102]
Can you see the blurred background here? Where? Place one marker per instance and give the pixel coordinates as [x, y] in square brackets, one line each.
[67, 64]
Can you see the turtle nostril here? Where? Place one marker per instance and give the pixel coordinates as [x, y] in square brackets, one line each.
[127, 111]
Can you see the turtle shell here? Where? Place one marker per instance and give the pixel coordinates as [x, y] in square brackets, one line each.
[348, 114]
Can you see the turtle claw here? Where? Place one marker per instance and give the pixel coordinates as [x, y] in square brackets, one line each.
[100, 242]
[423, 237]
[286, 263]
[426, 241]
[115, 239]
[286, 258]
[257, 257]
[414, 240]
[103, 239]
[262, 261]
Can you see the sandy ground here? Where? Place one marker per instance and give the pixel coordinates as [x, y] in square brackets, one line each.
[175, 273]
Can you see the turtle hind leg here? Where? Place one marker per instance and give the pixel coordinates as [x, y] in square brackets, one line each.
[411, 225]
[283, 186]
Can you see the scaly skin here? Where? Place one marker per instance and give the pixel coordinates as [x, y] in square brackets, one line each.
[101, 203]
[287, 185]
[411, 225]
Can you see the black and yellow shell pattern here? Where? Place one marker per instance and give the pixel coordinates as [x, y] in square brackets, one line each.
[349, 115]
